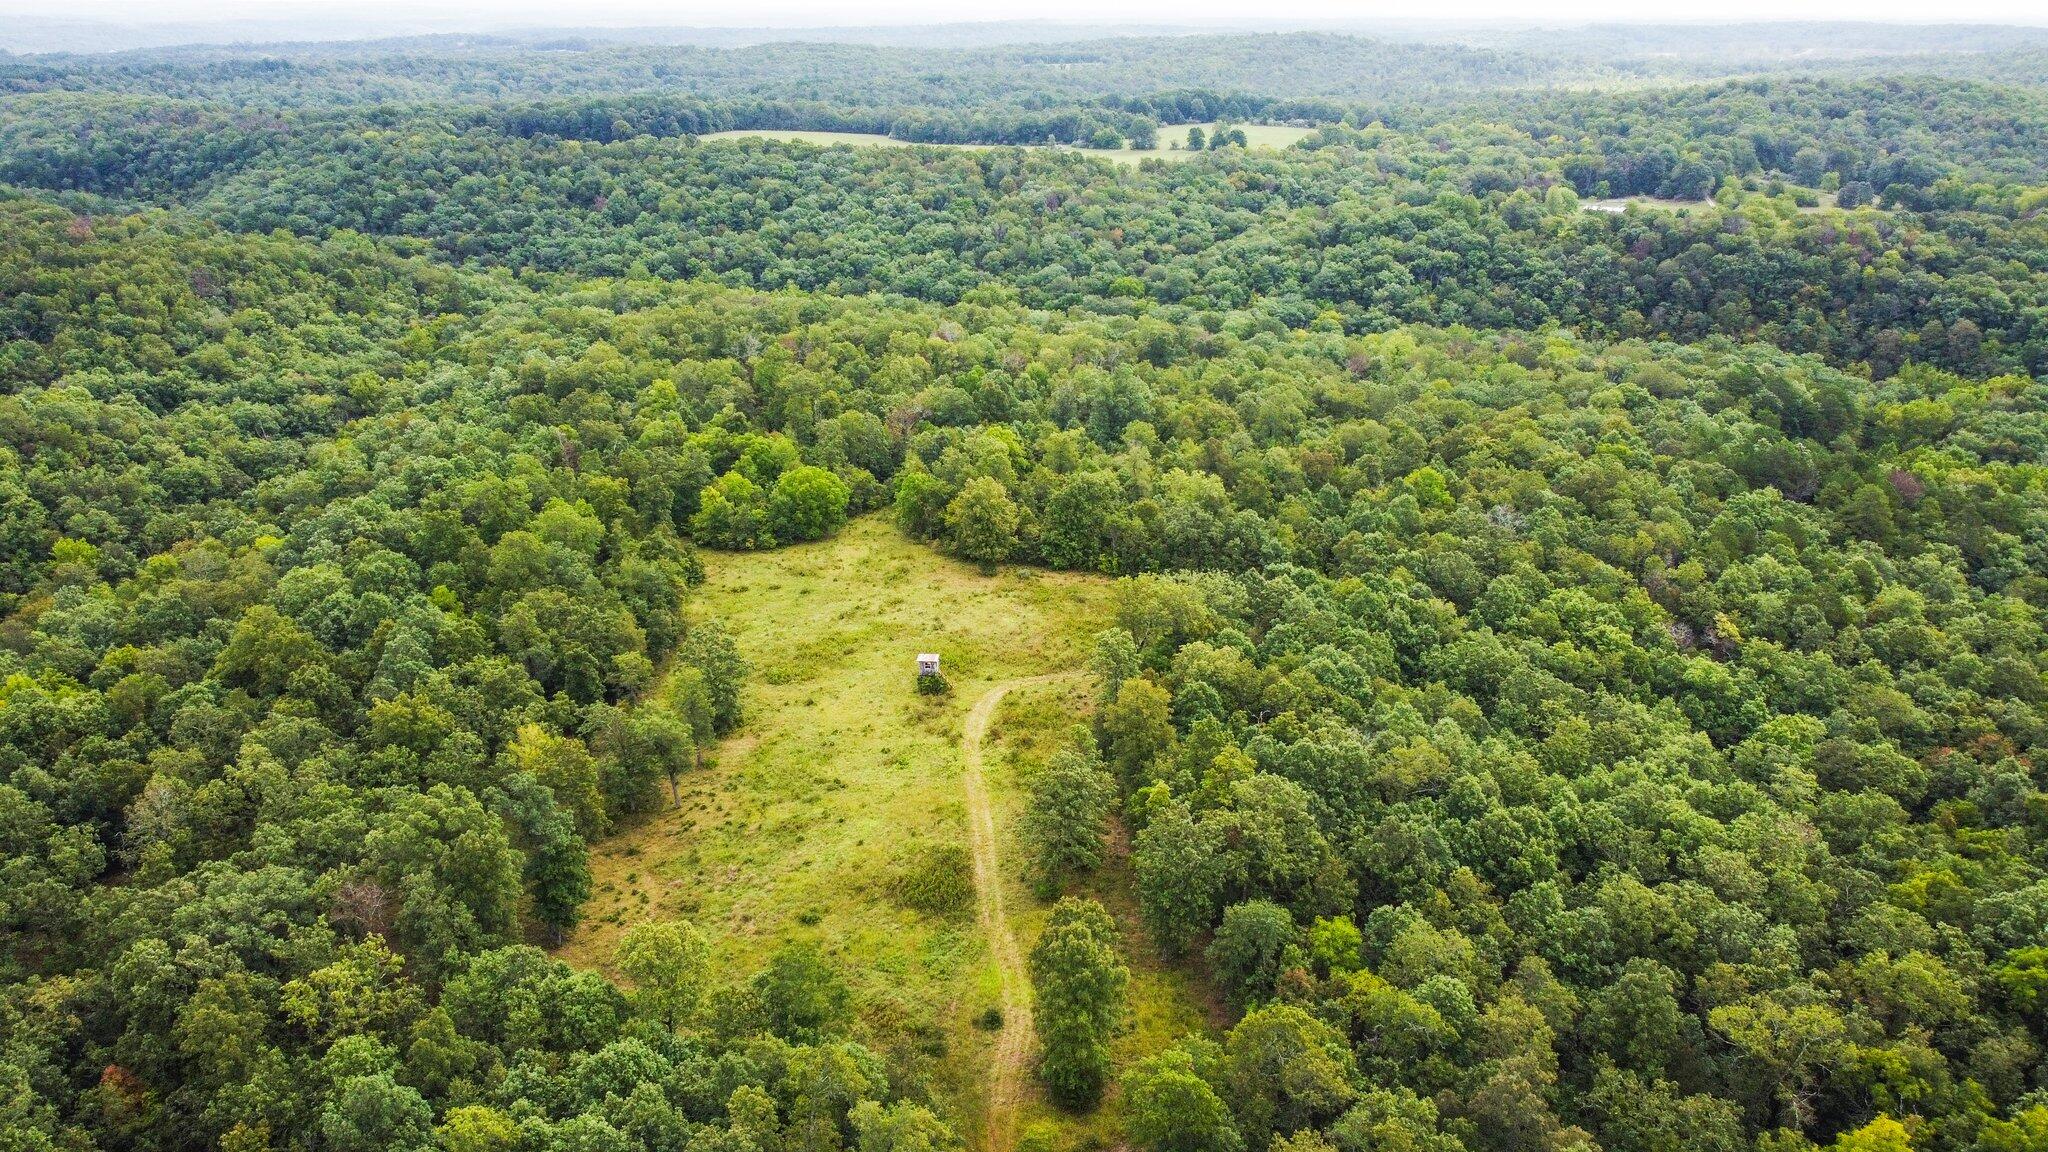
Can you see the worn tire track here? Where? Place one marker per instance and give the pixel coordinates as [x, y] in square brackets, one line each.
[1018, 1038]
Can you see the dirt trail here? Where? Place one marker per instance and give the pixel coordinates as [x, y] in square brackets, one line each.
[1018, 1038]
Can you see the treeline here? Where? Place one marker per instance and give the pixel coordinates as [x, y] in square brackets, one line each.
[1678, 142]
[1441, 67]
[607, 120]
[1906, 133]
[1287, 66]
[1444, 225]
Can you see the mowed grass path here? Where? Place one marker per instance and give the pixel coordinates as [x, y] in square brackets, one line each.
[841, 772]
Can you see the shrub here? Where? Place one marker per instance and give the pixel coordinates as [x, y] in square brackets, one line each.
[937, 880]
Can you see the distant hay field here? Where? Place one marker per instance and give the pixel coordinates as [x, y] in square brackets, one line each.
[1170, 135]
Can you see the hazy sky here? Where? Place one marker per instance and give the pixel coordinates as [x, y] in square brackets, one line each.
[499, 13]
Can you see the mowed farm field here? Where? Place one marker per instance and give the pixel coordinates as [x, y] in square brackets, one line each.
[841, 777]
[1256, 136]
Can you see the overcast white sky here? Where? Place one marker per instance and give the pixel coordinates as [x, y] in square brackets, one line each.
[754, 13]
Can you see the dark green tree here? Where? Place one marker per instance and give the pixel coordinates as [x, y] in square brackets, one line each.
[1079, 999]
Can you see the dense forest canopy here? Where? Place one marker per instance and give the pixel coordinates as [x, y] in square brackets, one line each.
[1281, 65]
[1379, 224]
[1576, 680]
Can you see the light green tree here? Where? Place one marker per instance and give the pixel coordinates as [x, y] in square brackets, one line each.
[982, 522]
[668, 962]
[1169, 1107]
[807, 503]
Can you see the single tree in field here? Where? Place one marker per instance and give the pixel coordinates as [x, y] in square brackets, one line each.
[687, 697]
[1196, 141]
[1069, 815]
[664, 740]
[1080, 986]
[710, 650]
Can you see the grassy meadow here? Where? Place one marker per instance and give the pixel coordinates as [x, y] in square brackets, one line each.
[842, 775]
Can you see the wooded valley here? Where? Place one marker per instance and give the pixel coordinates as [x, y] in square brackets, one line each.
[1494, 675]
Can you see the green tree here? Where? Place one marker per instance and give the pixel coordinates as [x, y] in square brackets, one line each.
[477, 1128]
[1079, 987]
[668, 962]
[1179, 862]
[825, 1083]
[981, 522]
[686, 693]
[1075, 529]
[1113, 660]
[265, 651]
[565, 767]
[921, 502]
[556, 872]
[710, 650]
[1334, 945]
[803, 997]
[1253, 945]
[1137, 731]
[375, 1114]
[1636, 1019]
[1066, 820]
[1785, 1045]
[807, 504]
[1284, 1070]
[733, 513]
[1170, 1107]
[899, 1127]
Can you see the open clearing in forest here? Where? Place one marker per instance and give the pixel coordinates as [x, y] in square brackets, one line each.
[1256, 136]
[1619, 204]
[842, 773]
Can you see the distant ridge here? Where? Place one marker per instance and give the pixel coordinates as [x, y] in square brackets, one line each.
[1764, 40]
